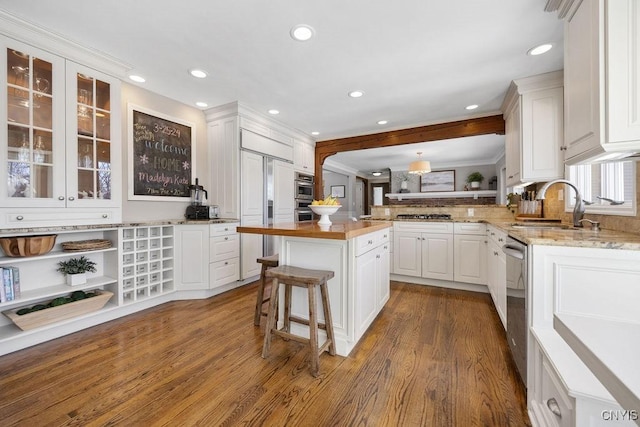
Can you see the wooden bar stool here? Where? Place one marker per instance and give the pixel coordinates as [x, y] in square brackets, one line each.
[303, 278]
[267, 263]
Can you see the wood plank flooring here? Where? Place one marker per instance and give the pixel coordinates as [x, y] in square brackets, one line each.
[433, 357]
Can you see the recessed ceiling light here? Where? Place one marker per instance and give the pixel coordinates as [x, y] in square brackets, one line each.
[138, 79]
[302, 32]
[471, 107]
[202, 104]
[198, 73]
[356, 93]
[315, 133]
[383, 122]
[376, 173]
[539, 50]
[273, 112]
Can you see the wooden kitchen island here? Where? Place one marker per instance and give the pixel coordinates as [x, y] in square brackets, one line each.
[358, 254]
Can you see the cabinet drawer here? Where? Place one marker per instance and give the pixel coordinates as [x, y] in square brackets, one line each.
[224, 247]
[223, 229]
[43, 218]
[369, 241]
[223, 272]
[499, 237]
[469, 228]
[554, 399]
[424, 227]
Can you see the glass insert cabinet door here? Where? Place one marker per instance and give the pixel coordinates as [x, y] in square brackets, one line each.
[32, 106]
[89, 128]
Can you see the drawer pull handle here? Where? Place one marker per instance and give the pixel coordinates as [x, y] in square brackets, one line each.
[553, 406]
[226, 238]
[105, 216]
[71, 198]
[19, 217]
[226, 263]
[60, 197]
[370, 242]
[500, 239]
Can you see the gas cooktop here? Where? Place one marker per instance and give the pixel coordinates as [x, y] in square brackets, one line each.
[424, 216]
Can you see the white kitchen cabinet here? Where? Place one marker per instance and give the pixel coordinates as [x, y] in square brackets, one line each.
[423, 249]
[251, 248]
[223, 136]
[224, 254]
[533, 111]
[61, 156]
[304, 157]
[252, 184]
[602, 80]
[192, 256]
[586, 283]
[470, 253]
[372, 278]
[283, 190]
[497, 271]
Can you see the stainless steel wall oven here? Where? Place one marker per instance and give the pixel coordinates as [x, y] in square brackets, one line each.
[304, 197]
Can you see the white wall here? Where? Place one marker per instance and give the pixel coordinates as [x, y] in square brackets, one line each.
[160, 209]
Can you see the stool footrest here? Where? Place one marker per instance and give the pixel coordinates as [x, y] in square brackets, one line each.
[288, 335]
[306, 322]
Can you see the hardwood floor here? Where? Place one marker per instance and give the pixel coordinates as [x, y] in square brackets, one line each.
[433, 357]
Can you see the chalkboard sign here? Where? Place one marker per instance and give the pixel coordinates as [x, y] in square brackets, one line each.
[161, 156]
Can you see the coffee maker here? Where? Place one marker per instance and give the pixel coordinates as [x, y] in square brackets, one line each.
[197, 210]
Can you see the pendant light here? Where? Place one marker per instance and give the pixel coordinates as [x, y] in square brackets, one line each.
[420, 166]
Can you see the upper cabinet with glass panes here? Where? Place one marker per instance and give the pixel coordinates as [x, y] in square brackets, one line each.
[58, 122]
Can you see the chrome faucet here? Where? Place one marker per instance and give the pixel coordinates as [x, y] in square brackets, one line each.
[578, 210]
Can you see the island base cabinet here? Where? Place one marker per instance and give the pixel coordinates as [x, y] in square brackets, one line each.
[358, 290]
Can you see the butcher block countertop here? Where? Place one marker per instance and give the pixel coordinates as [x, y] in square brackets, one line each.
[339, 230]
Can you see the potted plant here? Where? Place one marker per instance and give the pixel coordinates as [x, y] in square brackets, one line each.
[76, 270]
[475, 178]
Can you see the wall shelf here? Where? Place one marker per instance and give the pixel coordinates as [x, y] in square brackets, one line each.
[442, 195]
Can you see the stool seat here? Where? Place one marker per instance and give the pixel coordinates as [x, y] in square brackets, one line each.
[267, 263]
[305, 278]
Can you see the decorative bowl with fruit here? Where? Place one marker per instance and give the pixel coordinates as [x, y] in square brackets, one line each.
[324, 208]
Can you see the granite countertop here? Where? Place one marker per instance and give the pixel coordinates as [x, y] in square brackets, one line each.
[569, 236]
[573, 237]
[49, 230]
[338, 230]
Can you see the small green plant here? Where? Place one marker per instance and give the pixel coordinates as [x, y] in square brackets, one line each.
[77, 266]
[475, 177]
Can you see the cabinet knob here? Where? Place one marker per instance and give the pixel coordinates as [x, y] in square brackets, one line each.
[226, 238]
[226, 229]
[370, 242]
[423, 238]
[553, 406]
[71, 198]
[495, 253]
[378, 256]
[385, 246]
[19, 217]
[105, 216]
[493, 234]
[60, 197]
[500, 239]
[226, 263]
[510, 176]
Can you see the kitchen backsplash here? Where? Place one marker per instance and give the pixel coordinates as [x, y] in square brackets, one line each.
[497, 213]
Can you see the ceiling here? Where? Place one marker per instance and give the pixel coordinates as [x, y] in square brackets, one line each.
[418, 61]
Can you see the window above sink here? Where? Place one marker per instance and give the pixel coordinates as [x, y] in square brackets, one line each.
[607, 188]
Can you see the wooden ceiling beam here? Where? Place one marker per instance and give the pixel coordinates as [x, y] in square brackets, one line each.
[459, 129]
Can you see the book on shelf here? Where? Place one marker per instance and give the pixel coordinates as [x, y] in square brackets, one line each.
[10, 284]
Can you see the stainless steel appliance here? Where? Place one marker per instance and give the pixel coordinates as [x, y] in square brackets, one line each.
[304, 186]
[304, 197]
[196, 210]
[214, 211]
[517, 319]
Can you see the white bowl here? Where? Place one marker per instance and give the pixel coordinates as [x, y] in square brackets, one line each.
[324, 211]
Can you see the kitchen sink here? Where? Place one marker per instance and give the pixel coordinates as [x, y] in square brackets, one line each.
[541, 226]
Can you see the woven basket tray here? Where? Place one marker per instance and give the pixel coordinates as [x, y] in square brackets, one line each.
[36, 319]
[86, 245]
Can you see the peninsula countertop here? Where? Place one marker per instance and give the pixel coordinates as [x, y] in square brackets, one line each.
[338, 230]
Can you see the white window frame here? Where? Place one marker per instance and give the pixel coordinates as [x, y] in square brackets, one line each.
[583, 180]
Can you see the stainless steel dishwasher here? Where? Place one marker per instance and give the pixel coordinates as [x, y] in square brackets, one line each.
[517, 286]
